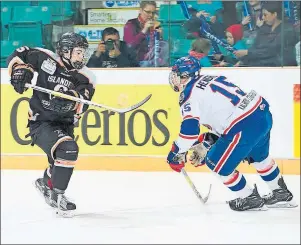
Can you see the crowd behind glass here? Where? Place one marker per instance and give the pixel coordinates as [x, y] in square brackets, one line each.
[218, 33]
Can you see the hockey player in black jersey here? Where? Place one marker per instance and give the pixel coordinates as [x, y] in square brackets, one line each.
[51, 119]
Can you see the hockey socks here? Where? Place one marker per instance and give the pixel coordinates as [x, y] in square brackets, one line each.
[60, 177]
[237, 182]
[269, 172]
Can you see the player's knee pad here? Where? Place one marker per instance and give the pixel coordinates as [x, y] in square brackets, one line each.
[66, 154]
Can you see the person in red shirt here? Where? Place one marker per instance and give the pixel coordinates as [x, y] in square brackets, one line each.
[139, 32]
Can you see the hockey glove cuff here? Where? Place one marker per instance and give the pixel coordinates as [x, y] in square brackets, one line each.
[21, 74]
[175, 159]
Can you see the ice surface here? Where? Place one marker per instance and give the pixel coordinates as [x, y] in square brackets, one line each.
[138, 207]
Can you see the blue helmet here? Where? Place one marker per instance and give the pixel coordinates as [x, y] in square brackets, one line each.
[186, 66]
[182, 71]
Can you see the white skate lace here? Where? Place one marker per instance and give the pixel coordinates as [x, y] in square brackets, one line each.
[239, 202]
[62, 201]
[268, 196]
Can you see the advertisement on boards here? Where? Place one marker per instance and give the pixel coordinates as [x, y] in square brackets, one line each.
[93, 32]
[111, 16]
[148, 130]
[121, 4]
[151, 129]
[131, 4]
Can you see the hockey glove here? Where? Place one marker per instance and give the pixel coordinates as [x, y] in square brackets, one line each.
[62, 105]
[201, 147]
[21, 74]
[175, 159]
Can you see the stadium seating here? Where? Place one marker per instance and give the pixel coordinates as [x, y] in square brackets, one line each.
[29, 32]
[5, 18]
[15, 3]
[173, 30]
[61, 10]
[32, 13]
[171, 13]
[7, 47]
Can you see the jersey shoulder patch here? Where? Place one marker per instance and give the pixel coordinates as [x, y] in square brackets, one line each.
[186, 93]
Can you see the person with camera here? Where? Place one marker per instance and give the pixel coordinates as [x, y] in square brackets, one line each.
[111, 52]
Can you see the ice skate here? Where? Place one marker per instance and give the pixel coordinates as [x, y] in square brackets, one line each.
[56, 199]
[64, 207]
[280, 198]
[253, 202]
[45, 191]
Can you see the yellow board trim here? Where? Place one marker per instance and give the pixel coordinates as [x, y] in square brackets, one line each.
[147, 164]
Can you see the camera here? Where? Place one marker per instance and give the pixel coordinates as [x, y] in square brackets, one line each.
[109, 44]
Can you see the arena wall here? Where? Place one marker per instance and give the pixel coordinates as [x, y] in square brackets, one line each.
[139, 140]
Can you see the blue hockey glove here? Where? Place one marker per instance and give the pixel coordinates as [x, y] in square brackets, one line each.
[175, 159]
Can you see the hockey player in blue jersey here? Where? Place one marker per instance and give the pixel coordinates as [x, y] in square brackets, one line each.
[240, 125]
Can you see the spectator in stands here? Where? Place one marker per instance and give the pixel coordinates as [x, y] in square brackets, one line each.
[230, 13]
[234, 34]
[269, 44]
[254, 17]
[200, 49]
[213, 11]
[111, 52]
[139, 33]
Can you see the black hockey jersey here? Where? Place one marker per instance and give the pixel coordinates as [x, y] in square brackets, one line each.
[53, 75]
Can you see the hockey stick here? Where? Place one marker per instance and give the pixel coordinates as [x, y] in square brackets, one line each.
[87, 102]
[203, 200]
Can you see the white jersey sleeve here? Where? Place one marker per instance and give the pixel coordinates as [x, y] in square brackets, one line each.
[190, 126]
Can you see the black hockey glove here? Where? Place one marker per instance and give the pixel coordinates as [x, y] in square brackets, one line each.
[62, 105]
[21, 74]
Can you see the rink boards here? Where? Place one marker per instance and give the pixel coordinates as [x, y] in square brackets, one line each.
[140, 140]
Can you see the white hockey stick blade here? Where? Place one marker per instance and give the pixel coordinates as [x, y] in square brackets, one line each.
[87, 102]
[203, 200]
[208, 195]
[133, 107]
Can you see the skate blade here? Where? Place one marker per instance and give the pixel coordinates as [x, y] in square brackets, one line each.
[263, 208]
[290, 204]
[65, 214]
